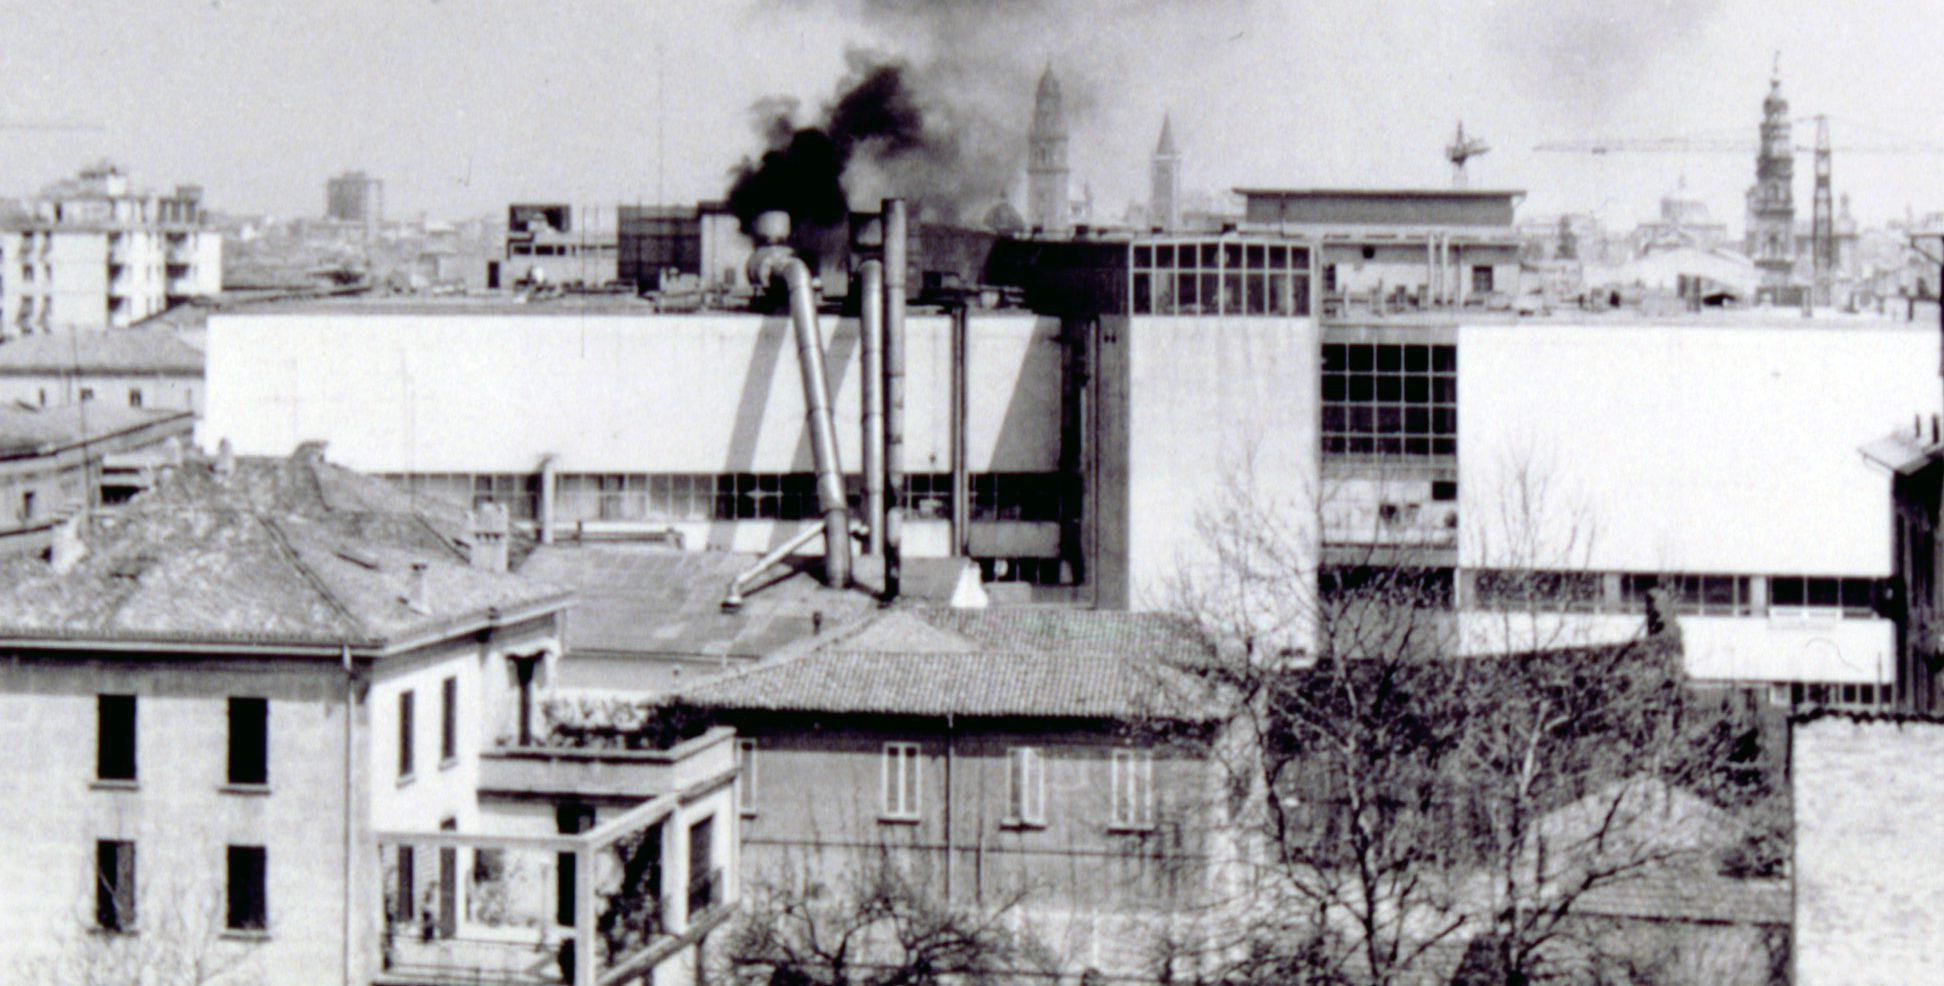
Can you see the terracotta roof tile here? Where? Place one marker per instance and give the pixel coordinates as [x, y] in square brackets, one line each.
[107, 351]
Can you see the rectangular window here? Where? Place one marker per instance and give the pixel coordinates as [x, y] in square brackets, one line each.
[1025, 786]
[1482, 279]
[449, 719]
[134, 397]
[115, 743]
[1386, 399]
[248, 908]
[746, 773]
[900, 780]
[1133, 785]
[405, 734]
[87, 394]
[249, 741]
[702, 873]
[115, 886]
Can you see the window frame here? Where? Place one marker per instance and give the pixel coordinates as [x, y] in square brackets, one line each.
[246, 889]
[1132, 776]
[406, 764]
[127, 747]
[115, 886]
[1026, 786]
[902, 762]
[449, 721]
[239, 752]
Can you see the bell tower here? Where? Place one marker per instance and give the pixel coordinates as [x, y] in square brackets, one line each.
[1771, 200]
[1046, 160]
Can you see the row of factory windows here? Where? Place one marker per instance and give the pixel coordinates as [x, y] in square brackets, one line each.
[1220, 278]
[1707, 595]
[1804, 596]
[518, 248]
[670, 497]
[1389, 399]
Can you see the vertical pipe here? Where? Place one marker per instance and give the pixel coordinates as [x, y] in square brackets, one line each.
[894, 384]
[350, 841]
[823, 431]
[870, 333]
[961, 482]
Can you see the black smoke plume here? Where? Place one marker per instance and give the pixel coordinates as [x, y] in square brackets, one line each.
[802, 172]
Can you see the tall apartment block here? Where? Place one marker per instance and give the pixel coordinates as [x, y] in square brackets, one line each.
[88, 253]
[355, 197]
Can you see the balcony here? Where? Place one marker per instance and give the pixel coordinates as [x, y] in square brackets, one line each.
[523, 910]
[593, 773]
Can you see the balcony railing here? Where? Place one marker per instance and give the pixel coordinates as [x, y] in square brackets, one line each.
[599, 772]
[513, 910]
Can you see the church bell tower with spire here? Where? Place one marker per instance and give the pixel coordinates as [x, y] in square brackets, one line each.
[1771, 200]
[1164, 200]
[1046, 160]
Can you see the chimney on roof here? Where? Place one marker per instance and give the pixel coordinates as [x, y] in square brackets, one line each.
[309, 453]
[418, 595]
[67, 549]
[489, 538]
[225, 458]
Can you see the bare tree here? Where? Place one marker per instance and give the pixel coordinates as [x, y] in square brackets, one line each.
[170, 934]
[878, 924]
[1402, 807]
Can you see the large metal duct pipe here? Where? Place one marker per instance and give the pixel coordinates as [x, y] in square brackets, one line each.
[870, 332]
[775, 263]
[895, 265]
[961, 479]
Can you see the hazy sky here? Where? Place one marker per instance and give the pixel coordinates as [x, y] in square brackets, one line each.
[463, 105]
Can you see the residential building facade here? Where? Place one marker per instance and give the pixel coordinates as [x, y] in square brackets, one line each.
[142, 368]
[91, 253]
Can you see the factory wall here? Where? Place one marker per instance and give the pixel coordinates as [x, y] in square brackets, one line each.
[714, 393]
[1686, 446]
[1212, 407]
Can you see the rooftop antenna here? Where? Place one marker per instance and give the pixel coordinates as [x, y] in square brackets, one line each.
[1461, 150]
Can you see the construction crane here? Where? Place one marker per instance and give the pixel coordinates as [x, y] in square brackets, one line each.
[1823, 225]
[1461, 150]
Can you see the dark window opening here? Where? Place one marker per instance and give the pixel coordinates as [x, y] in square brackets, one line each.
[249, 741]
[405, 734]
[248, 908]
[569, 819]
[702, 874]
[115, 751]
[449, 719]
[115, 886]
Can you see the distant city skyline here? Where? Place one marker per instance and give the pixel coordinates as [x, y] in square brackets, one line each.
[461, 106]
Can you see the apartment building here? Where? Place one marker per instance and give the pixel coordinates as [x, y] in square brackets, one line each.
[90, 252]
[266, 692]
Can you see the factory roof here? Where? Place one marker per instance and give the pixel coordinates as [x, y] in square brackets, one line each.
[651, 601]
[107, 351]
[32, 431]
[1063, 664]
[287, 554]
[1386, 193]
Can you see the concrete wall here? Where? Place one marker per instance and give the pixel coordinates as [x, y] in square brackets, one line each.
[178, 814]
[716, 393]
[1397, 209]
[818, 799]
[1210, 403]
[1869, 899]
[1687, 446]
[1717, 648]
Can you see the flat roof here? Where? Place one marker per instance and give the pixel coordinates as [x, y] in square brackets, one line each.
[1388, 193]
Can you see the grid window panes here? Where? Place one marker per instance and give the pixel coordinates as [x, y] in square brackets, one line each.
[1220, 277]
[1390, 399]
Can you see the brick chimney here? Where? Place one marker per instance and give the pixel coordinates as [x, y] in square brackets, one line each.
[418, 593]
[489, 538]
[225, 458]
[67, 549]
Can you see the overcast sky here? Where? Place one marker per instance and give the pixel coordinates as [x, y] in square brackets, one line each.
[463, 105]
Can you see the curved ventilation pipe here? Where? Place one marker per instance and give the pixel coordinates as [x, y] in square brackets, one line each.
[773, 263]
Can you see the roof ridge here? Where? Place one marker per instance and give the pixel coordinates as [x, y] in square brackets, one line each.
[792, 652]
[310, 576]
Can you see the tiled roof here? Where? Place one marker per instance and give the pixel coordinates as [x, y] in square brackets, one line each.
[37, 431]
[1148, 635]
[107, 351]
[904, 663]
[664, 601]
[276, 551]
